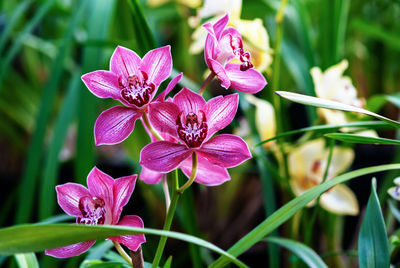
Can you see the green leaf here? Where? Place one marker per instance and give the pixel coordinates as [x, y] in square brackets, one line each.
[168, 263]
[353, 138]
[329, 104]
[373, 244]
[395, 211]
[305, 253]
[26, 260]
[394, 99]
[287, 211]
[31, 237]
[101, 264]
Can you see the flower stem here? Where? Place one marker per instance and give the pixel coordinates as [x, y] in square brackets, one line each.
[209, 78]
[168, 221]
[192, 175]
[122, 252]
[166, 192]
[137, 258]
[150, 127]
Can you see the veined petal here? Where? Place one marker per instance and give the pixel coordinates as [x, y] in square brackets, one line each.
[220, 112]
[150, 176]
[207, 173]
[171, 85]
[68, 196]
[124, 62]
[102, 84]
[101, 186]
[210, 49]
[340, 200]
[115, 124]
[163, 156]
[189, 101]
[71, 250]
[163, 116]
[123, 189]
[133, 242]
[220, 25]
[249, 81]
[157, 64]
[222, 75]
[225, 150]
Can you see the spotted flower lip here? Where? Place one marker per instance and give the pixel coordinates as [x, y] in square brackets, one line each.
[132, 81]
[101, 203]
[190, 122]
[222, 46]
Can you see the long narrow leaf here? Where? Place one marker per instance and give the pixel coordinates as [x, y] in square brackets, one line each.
[26, 260]
[352, 138]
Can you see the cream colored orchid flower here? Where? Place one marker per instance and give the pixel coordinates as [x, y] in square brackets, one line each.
[255, 36]
[189, 3]
[395, 191]
[307, 164]
[265, 119]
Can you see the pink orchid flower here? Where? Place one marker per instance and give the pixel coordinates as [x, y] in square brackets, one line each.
[133, 82]
[222, 46]
[190, 122]
[102, 203]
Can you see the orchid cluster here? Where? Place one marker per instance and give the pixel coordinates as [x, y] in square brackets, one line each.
[182, 129]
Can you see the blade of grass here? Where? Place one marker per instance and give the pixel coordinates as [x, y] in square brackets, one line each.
[34, 154]
[26, 260]
[289, 209]
[352, 138]
[50, 173]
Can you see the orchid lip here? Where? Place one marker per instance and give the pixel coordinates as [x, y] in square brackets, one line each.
[238, 51]
[93, 211]
[136, 89]
[192, 132]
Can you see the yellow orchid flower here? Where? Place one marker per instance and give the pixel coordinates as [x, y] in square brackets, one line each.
[265, 119]
[307, 164]
[189, 3]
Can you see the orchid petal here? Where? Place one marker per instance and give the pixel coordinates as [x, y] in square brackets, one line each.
[222, 75]
[115, 124]
[210, 49]
[189, 101]
[101, 186]
[220, 25]
[157, 64]
[220, 112]
[123, 189]
[171, 85]
[207, 173]
[163, 156]
[71, 250]
[163, 116]
[150, 176]
[68, 196]
[249, 81]
[133, 242]
[124, 62]
[225, 150]
[340, 200]
[102, 84]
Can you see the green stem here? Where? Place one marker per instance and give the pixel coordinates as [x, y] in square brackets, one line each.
[168, 221]
[150, 127]
[192, 175]
[166, 192]
[122, 252]
[209, 78]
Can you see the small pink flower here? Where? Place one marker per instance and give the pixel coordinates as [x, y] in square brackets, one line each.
[222, 46]
[133, 82]
[189, 120]
[102, 203]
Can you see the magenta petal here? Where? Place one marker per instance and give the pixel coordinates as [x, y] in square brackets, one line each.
[68, 196]
[220, 25]
[150, 176]
[115, 124]
[219, 70]
[133, 242]
[101, 185]
[189, 101]
[71, 250]
[102, 84]
[124, 62]
[163, 156]
[157, 64]
[249, 81]
[163, 116]
[207, 173]
[225, 150]
[171, 85]
[123, 189]
[220, 112]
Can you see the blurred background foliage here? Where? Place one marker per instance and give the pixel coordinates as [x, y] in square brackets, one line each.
[47, 114]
